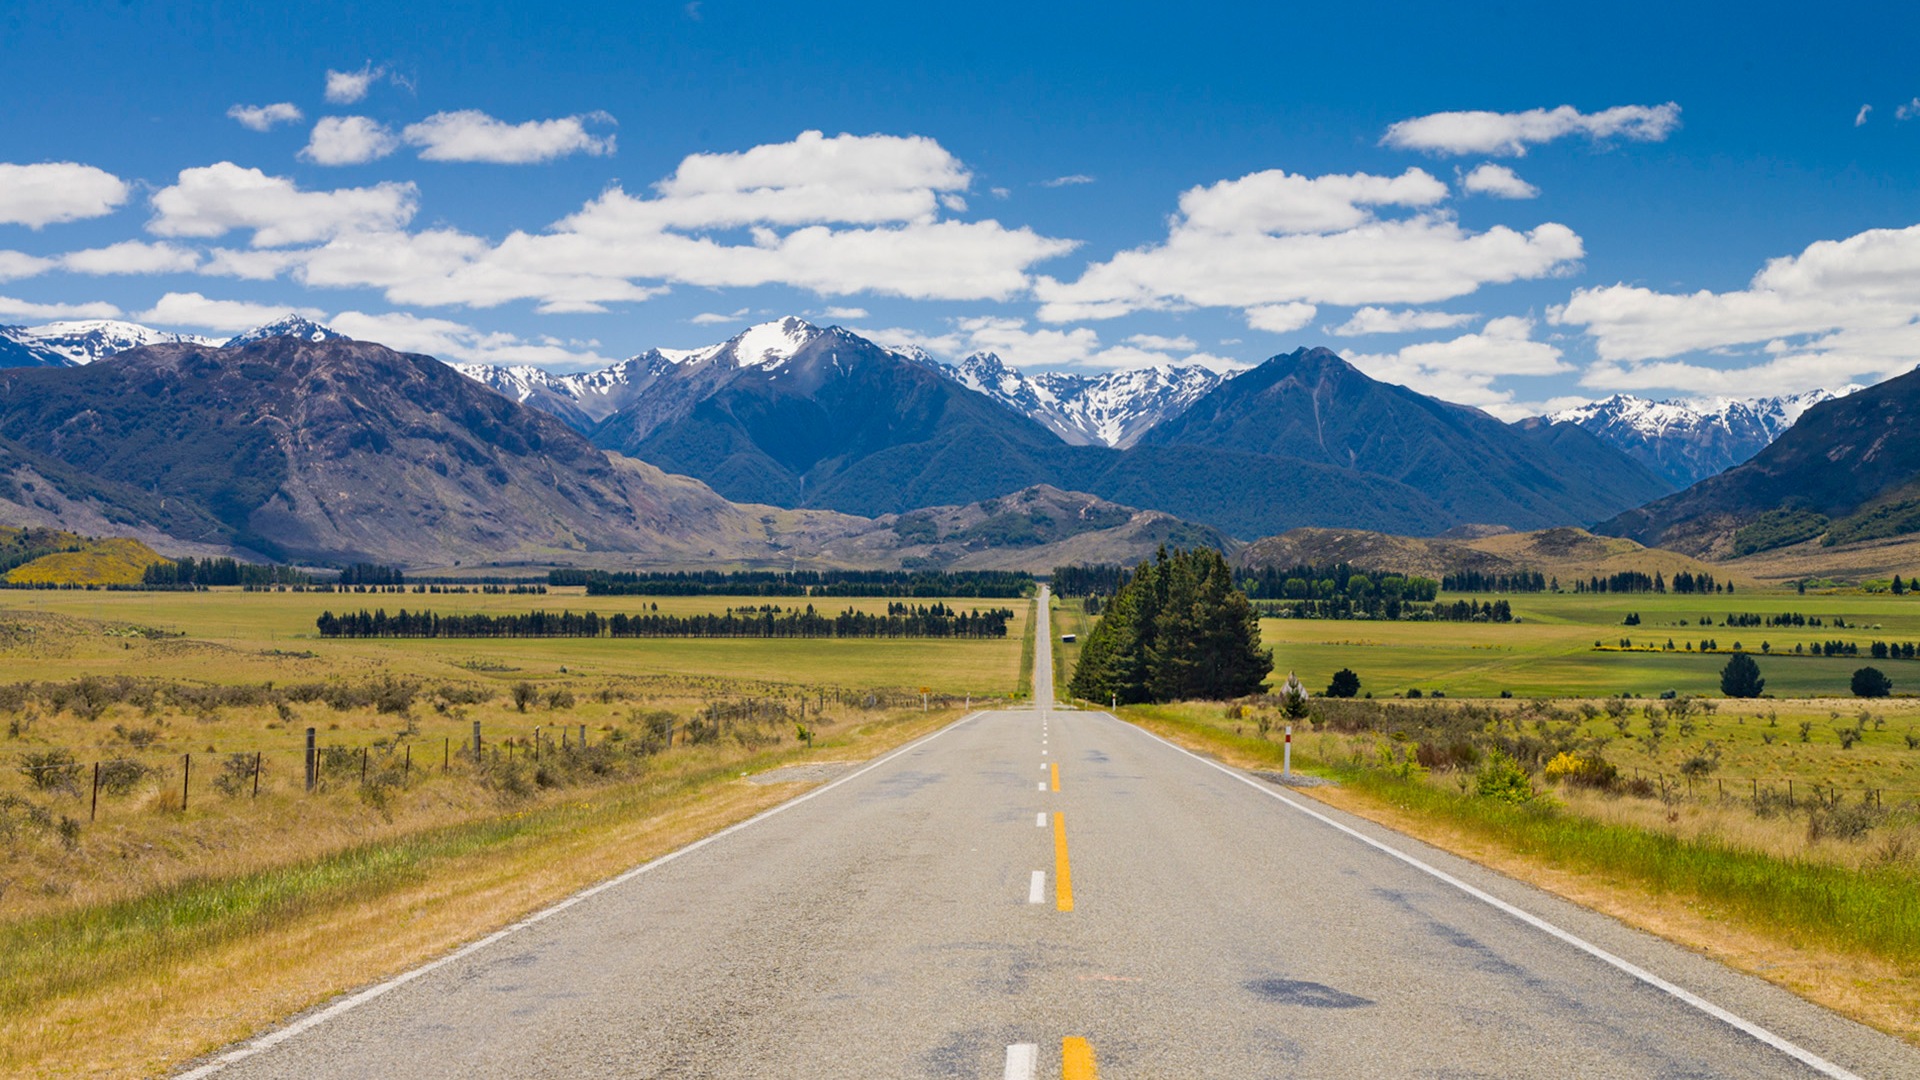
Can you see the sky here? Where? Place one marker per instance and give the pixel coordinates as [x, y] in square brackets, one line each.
[1508, 207]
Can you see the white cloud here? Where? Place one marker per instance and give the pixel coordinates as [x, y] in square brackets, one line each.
[471, 135]
[347, 87]
[1908, 111]
[450, 340]
[216, 199]
[844, 313]
[1498, 181]
[25, 310]
[57, 191]
[1163, 344]
[1280, 318]
[1071, 180]
[1464, 369]
[1860, 118]
[18, 264]
[131, 257]
[265, 117]
[348, 140]
[195, 310]
[714, 318]
[1509, 134]
[1378, 320]
[622, 248]
[1273, 238]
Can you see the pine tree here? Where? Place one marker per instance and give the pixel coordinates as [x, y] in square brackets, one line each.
[1179, 629]
[1741, 677]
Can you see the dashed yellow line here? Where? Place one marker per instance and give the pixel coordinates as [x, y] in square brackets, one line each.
[1062, 874]
[1056, 776]
[1076, 1059]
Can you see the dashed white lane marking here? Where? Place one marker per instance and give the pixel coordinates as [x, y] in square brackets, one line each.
[1745, 1027]
[1037, 888]
[1021, 1059]
[1040, 820]
[1043, 785]
[312, 1020]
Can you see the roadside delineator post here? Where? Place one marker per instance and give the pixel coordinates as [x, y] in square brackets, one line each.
[1286, 753]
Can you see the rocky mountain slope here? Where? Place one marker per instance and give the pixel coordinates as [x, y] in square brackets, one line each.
[1111, 409]
[1563, 553]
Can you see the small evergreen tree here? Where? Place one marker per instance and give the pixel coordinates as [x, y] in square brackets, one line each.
[1871, 682]
[1741, 677]
[1293, 698]
[1345, 684]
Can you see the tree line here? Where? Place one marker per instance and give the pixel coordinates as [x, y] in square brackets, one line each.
[977, 584]
[1633, 581]
[1091, 579]
[1469, 610]
[899, 621]
[1524, 581]
[1177, 629]
[188, 572]
[1331, 582]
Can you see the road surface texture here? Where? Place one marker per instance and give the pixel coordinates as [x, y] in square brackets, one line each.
[1047, 893]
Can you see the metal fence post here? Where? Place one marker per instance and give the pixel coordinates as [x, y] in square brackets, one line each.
[313, 761]
[186, 774]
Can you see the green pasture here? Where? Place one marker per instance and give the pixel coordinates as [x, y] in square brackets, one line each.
[1550, 650]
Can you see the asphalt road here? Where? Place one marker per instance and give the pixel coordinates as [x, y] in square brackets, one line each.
[1206, 924]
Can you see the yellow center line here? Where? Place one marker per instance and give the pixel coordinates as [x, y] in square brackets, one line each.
[1062, 875]
[1076, 1059]
[1056, 776]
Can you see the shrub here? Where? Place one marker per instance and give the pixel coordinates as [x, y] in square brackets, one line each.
[560, 699]
[1345, 684]
[236, 775]
[1582, 770]
[51, 770]
[119, 777]
[1502, 778]
[1871, 683]
[524, 695]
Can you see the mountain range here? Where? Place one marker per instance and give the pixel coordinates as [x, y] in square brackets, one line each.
[1688, 441]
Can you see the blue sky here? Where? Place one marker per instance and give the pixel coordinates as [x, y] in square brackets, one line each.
[1501, 206]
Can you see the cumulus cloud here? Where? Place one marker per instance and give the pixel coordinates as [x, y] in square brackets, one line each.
[1509, 134]
[1163, 344]
[266, 117]
[194, 310]
[1463, 369]
[843, 313]
[835, 216]
[1048, 347]
[131, 257]
[1498, 181]
[348, 140]
[18, 264]
[471, 135]
[1070, 180]
[347, 87]
[1379, 320]
[1280, 318]
[449, 340]
[1272, 239]
[1839, 311]
[12, 310]
[57, 191]
[215, 199]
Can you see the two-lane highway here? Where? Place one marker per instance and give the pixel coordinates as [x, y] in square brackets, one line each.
[1046, 892]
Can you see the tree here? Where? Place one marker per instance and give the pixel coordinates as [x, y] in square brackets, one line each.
[1345, 684]
[1178, 629]
[1741, 677]
[1293, 698]
[1871, 682]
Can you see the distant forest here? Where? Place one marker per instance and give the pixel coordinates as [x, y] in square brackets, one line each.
[981, 584]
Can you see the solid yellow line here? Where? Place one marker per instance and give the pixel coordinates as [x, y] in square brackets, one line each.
[1056, 776]
[1062, 875]
[1076, 1059]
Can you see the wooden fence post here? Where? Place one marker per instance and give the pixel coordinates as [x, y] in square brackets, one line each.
[186, 773]
[446, 753]
[95, 812]
[476, 744]
[364, 752]
[256, 774]
[313, 762]
[407, 775]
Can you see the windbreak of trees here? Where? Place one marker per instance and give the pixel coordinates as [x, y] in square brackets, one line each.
[1469, 610]
[1633, 581]
[372, 574]
[983, 584]
[1476, 581]
[1339, 581]
[190, 572]
[1091, 579]
[1178, 629]
[899, 621]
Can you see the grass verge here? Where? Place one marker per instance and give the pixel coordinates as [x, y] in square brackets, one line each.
[137, 986]
[1847, 939]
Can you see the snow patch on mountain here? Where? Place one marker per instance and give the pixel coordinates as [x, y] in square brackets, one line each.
[83, 342]
[292, 326]
[1688, 440]
[771, 344]
[1112, 409]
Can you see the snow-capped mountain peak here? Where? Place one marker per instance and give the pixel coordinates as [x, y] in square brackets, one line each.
[1688, 440]
[84, 341]
[293, 326]
[1111, 409]
[772, 344]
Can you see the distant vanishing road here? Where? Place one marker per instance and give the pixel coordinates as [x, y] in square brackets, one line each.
[950, 911]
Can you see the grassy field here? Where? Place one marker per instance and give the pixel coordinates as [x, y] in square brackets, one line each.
[1550, 651]
[1069, 617]
[141, 906]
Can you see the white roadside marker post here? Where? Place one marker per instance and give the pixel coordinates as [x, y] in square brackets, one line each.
[1286, 754]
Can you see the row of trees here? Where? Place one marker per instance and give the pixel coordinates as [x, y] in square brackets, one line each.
[986, 584]
[1328, 582]
[1476, 581]
[188, 572]
[900, 621]
[1093, 579]
[1177, 629]
[1633, 581]
[1392, 609]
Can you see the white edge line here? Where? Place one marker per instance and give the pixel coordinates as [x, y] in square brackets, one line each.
[1746, 1027]
[1021, 1058]
[279, 1035]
